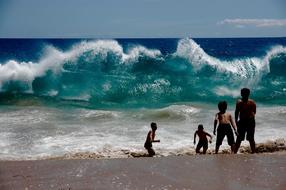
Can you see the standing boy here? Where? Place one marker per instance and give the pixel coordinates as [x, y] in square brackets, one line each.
[151, 138]
[245, 110]
[203, 140]
[225, 122]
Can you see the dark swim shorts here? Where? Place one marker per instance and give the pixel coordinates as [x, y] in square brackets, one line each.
[246, 126]
[202, 143]
[148, 146]
[222, 131]
[151, 152]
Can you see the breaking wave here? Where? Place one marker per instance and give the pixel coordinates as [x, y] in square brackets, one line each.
[103, 73]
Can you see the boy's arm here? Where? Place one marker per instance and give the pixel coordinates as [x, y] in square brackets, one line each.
[153, 138]
[195, 135]
[215, 124]
[236, 113]
[210, 141]
[233, 124]
[254, 107]
[209, 135]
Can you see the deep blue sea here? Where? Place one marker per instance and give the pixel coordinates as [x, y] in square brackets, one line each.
[64, 96]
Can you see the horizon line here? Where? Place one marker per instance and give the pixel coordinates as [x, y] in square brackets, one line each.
[58, 37]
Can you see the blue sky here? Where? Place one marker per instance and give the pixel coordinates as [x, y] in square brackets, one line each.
[141, 18]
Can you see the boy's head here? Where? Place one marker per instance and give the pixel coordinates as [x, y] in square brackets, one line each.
[200, 127]
[245, 92]
[153, 126]
[222, 106]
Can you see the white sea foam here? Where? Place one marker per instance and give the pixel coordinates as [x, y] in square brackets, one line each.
[54, 59]
[244, 68]
[174, 113]
[135, 53]
[249, 70]
[33, 132]
[225, 91]
[98, 115]
[36, 132]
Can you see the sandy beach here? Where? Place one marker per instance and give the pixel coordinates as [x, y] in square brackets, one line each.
[243, 171]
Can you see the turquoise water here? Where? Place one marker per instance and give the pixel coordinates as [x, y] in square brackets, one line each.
[105, 73]
[67, 96]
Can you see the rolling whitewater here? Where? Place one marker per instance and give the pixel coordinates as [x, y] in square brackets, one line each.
[98, 96]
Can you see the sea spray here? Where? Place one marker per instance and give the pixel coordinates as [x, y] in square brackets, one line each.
[97, 98]
[108, 75]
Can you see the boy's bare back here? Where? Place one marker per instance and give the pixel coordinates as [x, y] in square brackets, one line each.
[246, 109]
[224, 118]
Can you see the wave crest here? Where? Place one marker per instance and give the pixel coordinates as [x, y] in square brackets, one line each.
[103, 71]
[247, 68]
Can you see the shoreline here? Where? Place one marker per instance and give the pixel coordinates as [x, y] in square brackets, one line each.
[272, 147]
[242, 171]
[136, 155]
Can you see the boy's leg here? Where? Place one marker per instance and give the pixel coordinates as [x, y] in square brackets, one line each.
[205, 147]
[219, 139]
[241, 135]
[237, 145]
[252, 146]
[216, 148]
[232, 147]
[151, 152]
[230, 139]
[199, 146]
[250, 135]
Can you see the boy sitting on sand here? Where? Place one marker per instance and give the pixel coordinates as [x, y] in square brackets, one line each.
[203, 140]
[151, 138]
[225, 122]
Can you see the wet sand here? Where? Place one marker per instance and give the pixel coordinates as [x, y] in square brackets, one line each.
[215, 172]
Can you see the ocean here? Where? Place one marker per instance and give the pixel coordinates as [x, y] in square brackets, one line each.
[67, 96]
